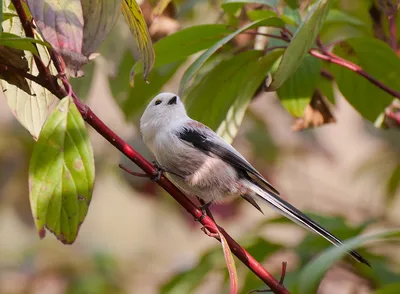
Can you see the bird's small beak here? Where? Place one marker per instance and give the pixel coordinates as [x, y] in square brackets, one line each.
[172, 100]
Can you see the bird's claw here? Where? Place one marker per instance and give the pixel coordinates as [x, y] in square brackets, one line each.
[159, 171]
[203, 209]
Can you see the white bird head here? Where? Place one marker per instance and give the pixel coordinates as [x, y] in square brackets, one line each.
[164, 110]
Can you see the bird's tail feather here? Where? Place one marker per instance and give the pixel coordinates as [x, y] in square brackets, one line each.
[291, 212]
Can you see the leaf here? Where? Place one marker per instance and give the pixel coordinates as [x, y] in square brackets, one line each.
[302, 41]
[188, 281]
[375, 57]
[192, 70]
[389, 289]
[133, 100]
[297, 91]
[7, 15]
[313, 272]
[15, 58]
[99, 17]
[260, 14]
[16, 42]
[230, 263]
[61, 173]
[61, 24]
[227, 3]
[30, 110]
[221, 97]
[340, 26]
[188, 41]
[141, 37]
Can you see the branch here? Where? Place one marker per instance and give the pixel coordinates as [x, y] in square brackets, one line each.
[353, 67]
[49, 82]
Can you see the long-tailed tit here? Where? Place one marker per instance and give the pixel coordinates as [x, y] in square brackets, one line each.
[201, 163]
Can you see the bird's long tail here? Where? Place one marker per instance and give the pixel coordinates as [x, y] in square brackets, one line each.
[291, 212]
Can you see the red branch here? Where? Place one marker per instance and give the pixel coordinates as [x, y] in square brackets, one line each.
[330, 57]
[48, 81]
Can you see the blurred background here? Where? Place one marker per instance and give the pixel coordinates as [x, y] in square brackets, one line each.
[136, 239]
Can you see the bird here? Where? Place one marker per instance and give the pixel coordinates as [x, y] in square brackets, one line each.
[199, 162]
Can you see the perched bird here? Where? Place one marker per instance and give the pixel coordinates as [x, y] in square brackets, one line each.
[201, 163]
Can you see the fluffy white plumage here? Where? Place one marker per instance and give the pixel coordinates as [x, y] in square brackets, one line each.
[201, 163]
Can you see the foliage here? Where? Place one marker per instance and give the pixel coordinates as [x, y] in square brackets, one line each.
[299, 51]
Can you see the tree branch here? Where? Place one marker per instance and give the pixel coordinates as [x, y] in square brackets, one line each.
[355, 68]
[48, 81]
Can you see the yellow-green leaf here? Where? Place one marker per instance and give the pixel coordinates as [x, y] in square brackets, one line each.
[302, 41]
[142, 42]
[61, 173]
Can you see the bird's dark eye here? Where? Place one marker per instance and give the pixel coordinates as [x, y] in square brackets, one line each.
[157, 102]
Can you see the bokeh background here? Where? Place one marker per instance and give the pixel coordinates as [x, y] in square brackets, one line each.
[136, 239]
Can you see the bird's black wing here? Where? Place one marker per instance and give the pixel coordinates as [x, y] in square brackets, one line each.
[207, 141]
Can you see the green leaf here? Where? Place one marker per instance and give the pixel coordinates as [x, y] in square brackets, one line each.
[340, 26]
[221, 97]
[61, 173]
[7, 15]
[30, 110]
[192, 70]
[16, 42]
[312, 274]
[302, 41]
[389, 289]
[99, 17]
[296, 93]
[141, 37]
[228, 4]
[260, 14]
[133, 100]
[325, 86]
[188, 41]
[61, 24]
[293, 4]
[188, 281]
[378, 59]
